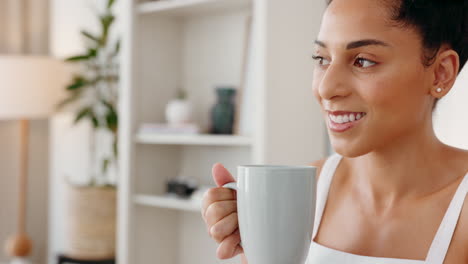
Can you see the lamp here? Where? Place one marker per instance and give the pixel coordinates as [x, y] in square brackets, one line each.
[29, 89]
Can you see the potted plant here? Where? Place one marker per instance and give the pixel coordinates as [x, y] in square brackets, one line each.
[179, 110]
[93, 97]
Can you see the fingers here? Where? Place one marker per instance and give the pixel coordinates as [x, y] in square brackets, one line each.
[230, 247]
[221, 175]
[224, 227]
[214, 195]
[219, 210]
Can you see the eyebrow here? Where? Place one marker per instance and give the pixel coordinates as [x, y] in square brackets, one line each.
[358, 43]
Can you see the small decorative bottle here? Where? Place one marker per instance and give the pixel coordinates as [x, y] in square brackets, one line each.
[222, 113]
[179, 110]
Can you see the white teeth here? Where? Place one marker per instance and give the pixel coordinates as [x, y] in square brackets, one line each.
[340, 119]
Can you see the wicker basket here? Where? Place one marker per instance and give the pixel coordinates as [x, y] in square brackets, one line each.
[91, 223]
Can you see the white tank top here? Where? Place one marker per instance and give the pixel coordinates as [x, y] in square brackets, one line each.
[319, 254]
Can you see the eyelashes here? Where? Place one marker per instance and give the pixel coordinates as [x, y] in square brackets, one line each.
[364, 61]
[359, 62]
[319, 60]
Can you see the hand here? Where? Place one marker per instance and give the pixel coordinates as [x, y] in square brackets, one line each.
[219, 211]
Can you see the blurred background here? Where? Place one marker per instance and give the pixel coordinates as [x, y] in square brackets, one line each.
[113, 113]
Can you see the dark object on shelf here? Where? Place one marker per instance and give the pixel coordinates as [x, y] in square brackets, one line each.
[223, 112]
[181, 188]
[64, 259]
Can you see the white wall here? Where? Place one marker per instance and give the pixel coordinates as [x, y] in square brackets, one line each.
[450, 118]
[69, 143]
[288, 87]
[66, 20]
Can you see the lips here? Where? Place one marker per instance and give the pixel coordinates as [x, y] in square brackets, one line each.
[344, 117]
[341, 121]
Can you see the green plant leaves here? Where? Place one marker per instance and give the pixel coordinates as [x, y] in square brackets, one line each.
[94, 90]
[112, 121]
[94, 120]
[110, 3]
[106, 22]
[92, 53]
[115, 147]
[72, 98]
[77, 58]
[78, 82]
[87, 112]
[105, 165]
[82, 113]
[75, 89]
[111, 116]
[90, 36]
[116, 48]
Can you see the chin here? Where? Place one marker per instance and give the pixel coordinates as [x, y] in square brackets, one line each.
[349, 150]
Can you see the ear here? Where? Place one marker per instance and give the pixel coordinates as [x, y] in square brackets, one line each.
[445, 72]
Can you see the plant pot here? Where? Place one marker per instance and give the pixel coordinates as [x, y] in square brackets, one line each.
[178, 111]
[91, 222]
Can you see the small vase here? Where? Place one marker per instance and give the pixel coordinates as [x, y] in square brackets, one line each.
[222, 113]
[178, 111]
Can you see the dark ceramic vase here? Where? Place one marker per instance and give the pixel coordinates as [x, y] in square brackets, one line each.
[222, 113]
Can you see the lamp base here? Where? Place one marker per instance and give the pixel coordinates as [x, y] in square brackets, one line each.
[18, 246]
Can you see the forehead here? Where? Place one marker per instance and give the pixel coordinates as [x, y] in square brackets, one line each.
[350, 20]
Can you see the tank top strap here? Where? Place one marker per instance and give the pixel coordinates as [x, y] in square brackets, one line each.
[323, 187]
[443, 237]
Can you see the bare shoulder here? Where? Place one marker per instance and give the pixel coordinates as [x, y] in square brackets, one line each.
[318, 164]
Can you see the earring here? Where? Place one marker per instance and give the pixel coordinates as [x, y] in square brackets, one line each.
[439, 90]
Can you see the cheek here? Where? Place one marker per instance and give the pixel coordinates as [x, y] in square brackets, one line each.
[397, 99]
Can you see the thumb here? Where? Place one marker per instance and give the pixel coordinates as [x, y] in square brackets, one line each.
[221, 175]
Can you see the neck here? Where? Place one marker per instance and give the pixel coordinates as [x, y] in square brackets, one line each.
[407, 167]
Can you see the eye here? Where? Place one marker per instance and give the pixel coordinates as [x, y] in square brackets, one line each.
[321, 60]
[363, 63]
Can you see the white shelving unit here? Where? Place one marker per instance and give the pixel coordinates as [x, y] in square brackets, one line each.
[190, 7]
[198, 45]
[207, 140]
[168, 202]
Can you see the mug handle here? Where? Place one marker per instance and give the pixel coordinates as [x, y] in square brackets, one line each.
[232, 186]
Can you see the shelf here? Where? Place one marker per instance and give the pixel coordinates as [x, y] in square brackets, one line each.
[168, 202]
[207, 140]
[190, 7]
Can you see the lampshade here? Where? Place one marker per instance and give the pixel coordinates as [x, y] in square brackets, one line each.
[30, 86]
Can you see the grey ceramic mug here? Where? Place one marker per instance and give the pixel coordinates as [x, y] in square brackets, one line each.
[276, 209]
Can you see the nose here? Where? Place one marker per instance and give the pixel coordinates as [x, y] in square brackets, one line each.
[334, 83]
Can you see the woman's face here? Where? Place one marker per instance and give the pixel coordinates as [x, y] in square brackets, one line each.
[370, 69]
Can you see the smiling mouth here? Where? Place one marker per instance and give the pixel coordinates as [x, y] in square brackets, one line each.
[341, 117]
[341, 121]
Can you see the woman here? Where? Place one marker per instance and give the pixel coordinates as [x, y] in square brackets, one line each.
[381, 67]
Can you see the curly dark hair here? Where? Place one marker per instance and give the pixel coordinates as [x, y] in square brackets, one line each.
[438, 22]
